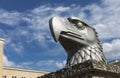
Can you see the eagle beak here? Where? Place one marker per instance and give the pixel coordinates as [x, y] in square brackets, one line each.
[57, 26]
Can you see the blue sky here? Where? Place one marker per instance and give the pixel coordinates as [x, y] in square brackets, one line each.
[28, 42]
[24, 5]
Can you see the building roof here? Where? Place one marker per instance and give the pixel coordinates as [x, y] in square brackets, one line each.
[22, 69]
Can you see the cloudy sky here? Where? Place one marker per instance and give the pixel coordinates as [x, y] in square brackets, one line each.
[28, 41]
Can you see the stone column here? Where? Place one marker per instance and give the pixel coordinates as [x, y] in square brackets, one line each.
[1, 56]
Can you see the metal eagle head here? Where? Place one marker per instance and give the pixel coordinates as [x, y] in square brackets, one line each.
[78, 38]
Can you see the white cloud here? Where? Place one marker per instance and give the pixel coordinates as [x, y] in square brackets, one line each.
[9, 18]
[61, 64]
[41, 9]
[106, 18]
[112, 49]
[50, 64]
[62, 9]
[17, 47]
[7, 62]
[27, 63]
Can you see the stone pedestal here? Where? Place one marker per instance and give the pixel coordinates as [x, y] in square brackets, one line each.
[88, 69]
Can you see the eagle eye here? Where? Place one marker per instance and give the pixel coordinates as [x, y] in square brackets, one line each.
[80, 25]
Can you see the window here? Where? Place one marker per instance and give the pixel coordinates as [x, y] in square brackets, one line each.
[4, 76]
[14, 77]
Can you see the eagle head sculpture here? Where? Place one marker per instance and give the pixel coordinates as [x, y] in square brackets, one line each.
[79, 39]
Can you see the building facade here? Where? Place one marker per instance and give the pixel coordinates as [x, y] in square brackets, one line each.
[10, 72]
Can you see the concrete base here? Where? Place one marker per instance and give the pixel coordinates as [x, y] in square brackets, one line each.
[88, 69]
